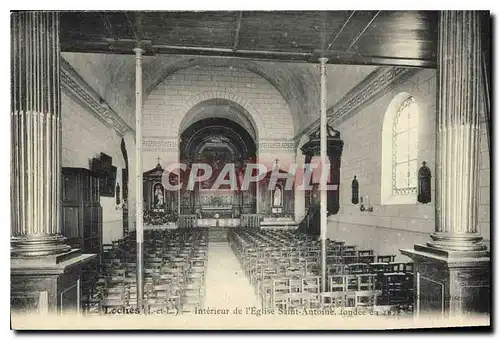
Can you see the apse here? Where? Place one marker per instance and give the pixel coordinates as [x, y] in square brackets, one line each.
[217, 142]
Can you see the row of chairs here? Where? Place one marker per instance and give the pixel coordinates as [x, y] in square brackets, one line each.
[174, 272]
[276, 261]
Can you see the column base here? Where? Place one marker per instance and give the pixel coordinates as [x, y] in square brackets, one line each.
[450, 283]
[48, 285]
[457, 242]
[35, 247]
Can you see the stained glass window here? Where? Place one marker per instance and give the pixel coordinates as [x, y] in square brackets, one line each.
[404, 149]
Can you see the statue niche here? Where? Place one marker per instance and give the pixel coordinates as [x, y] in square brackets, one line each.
[158, 196]
[160, 204]
[276, 200]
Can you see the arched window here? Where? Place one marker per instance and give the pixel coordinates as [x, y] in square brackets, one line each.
[400, 151]
[404, 149]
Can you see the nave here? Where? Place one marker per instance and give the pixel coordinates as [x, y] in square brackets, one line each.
[199, 270]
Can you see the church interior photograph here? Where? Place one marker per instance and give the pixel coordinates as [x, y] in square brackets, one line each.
[196, 162]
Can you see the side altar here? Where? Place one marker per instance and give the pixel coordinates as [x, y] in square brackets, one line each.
[160, 203]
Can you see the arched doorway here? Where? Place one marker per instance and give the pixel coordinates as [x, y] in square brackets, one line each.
[225, 147]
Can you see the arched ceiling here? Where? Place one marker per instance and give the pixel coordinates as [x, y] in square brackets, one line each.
[113, 77]
[220, 108]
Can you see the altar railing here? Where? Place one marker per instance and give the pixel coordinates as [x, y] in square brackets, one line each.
[250, 220]
[187, 221]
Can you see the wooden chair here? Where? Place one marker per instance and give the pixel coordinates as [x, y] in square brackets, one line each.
[357, 268]
[335, 299]
[365, 299]
[334, 259]
[397, 267]
[350, 259]
[379, 267]
[337, 283]
[366, 256]
[351, 282]
[114, 297]
[349, 250]
[279, 293]
[366, 281]
[335, 269]
[394, 288]
[311, 284]
[386, 258]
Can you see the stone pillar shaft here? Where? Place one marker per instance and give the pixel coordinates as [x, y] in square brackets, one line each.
[457, 162]
[36, 135]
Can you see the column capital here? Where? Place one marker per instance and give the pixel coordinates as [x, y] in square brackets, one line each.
[323, 59]
[138, 52]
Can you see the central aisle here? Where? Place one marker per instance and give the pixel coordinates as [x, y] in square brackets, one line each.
[226, 284]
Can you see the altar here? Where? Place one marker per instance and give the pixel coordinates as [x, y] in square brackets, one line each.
[210, 205]
[218, 223]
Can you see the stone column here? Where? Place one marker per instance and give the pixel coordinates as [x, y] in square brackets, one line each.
[36, 135]
[457, 161]
[451, 272]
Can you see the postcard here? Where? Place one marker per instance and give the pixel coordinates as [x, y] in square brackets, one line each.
[291, 170]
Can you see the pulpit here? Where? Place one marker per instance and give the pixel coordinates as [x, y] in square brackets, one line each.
[311, 222]
[334, 152]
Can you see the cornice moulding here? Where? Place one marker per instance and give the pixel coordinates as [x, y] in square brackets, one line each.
[74, 85]
[368, 90]
[155, 144]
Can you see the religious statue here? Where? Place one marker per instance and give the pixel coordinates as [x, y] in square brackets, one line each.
[240, 178]
[159, 199]
[277, 197]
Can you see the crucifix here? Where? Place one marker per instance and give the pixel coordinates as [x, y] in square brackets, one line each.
[158, 159]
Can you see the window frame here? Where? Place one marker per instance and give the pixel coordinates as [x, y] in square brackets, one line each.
[389, 194]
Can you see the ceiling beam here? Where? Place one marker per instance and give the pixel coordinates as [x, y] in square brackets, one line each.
[340, 32]
[353, 58]
[109, 28]
[133, 27]
[124, 46]
[363, 31]
[236, 41]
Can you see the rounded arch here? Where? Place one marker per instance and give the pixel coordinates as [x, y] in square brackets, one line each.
[216, 132]
[227, 100]
[220, 108]
[387, 194]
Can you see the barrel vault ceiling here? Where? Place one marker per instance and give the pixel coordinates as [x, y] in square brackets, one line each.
[282, 47]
